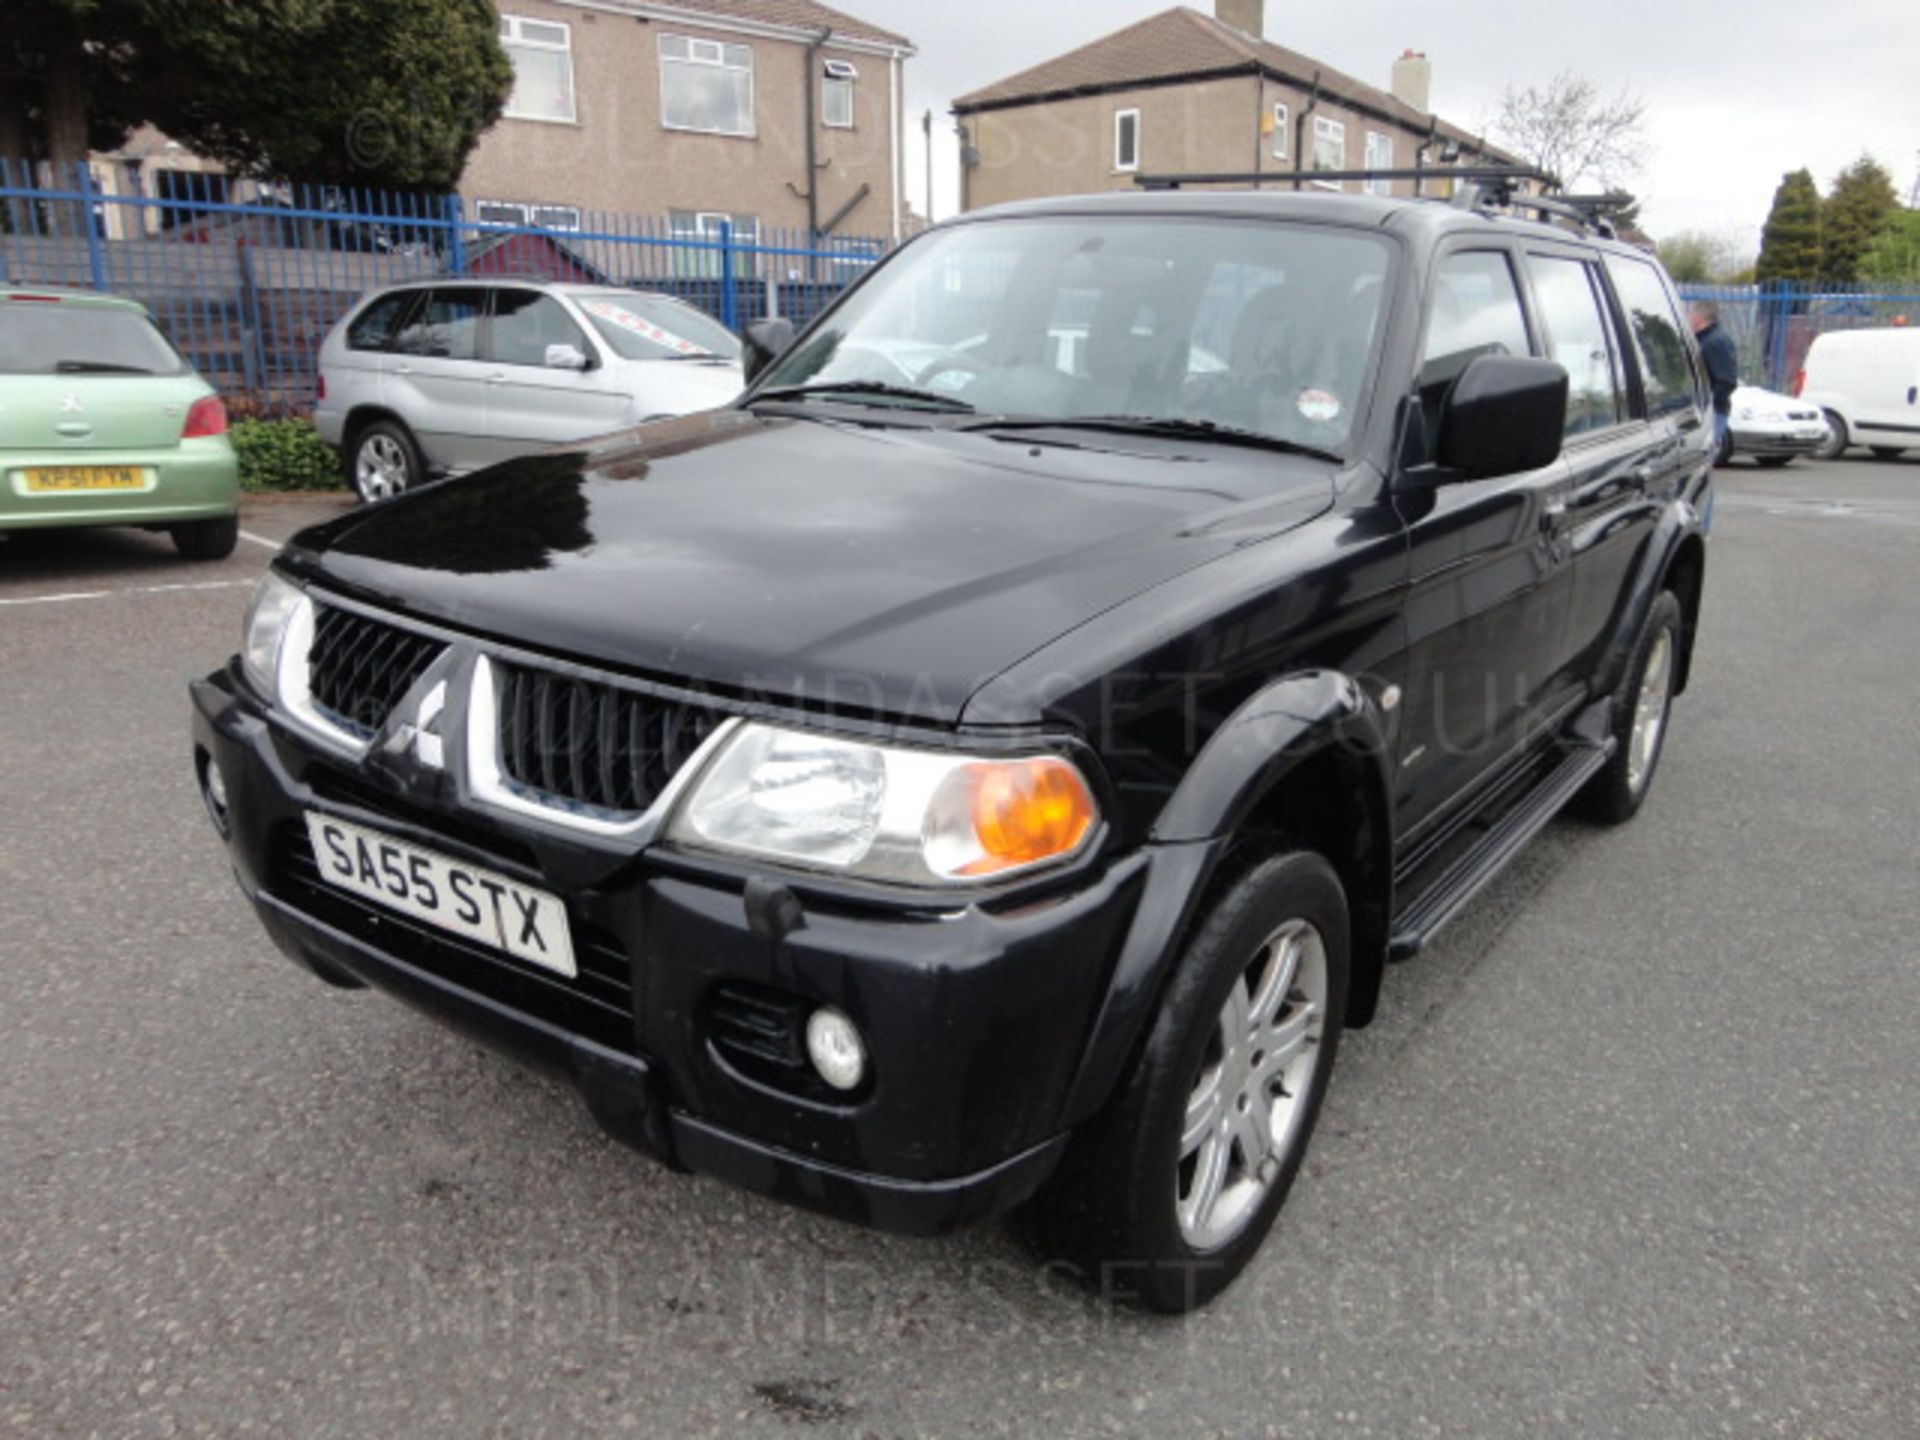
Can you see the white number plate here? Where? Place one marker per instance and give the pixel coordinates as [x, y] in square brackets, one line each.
[479, 904]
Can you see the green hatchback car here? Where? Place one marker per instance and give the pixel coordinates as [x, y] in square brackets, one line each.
[103, 423]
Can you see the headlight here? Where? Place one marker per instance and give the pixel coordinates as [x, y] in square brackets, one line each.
[274, 605]
[913, 817]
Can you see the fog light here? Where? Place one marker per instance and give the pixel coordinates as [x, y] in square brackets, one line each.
[213, 790]
[836, 1051]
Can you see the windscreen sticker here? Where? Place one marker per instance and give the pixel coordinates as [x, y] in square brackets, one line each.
[1319, 405]
[645, 329]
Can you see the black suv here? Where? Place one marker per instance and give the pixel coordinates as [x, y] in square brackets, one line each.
[990, 764]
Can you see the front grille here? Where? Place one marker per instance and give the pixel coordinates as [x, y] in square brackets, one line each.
[593, 744]
[358, 668]
[597, 1004]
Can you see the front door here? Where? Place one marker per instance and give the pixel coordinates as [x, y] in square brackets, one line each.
[530, 404]
[1487, 603]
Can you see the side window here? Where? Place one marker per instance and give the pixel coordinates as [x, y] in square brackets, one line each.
[373, 327]
[446, 326]
[1577, 332]
[1659, 335]
[1475, 310]
[525, 323]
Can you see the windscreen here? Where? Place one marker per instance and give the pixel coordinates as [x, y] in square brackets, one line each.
[1258, 326]
[62, 338]
[649, 327]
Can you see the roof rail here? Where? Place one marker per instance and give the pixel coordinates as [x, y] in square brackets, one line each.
[1477, 187]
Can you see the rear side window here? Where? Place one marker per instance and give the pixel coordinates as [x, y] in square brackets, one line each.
[525, 324]
[373, 327]
[60, 337]
[1577, 337]
[1659, 335]
[446, 326]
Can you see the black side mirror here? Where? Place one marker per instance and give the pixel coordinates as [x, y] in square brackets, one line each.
[765, 341]
[1505, 415]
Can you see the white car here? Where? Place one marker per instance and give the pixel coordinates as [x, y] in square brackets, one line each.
[447, 376]
[1773, 428]
[1866, 383]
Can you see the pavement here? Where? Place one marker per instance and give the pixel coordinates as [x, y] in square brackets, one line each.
[1632, 1151]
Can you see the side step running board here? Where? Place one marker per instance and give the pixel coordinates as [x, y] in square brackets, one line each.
[1467, 876]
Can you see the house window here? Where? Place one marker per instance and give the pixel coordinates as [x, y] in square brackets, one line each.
[542, 55]
[1282, 136]
[706, 85]
[1329, 147]
[706, 225]
[1379, 157]
[1126, 140]
[836, 95]
[543, 217]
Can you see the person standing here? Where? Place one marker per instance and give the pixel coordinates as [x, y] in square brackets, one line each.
[1723, 367]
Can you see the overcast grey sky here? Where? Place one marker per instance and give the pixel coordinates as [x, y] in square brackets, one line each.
[1737, 94]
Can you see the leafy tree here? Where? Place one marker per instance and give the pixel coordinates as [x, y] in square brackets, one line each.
[366, 91]
[1568, 128]
[1695, 257]
[1852, 214]
[1790, 243]
[1895, 251]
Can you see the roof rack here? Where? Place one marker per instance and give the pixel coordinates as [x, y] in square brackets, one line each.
[1484, 188]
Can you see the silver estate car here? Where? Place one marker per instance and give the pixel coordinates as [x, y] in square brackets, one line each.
[443, 377]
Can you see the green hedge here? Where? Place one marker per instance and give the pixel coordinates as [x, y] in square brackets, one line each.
[284, 455]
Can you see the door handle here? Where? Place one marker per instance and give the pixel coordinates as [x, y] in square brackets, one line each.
[403, 369]
[1913, 393]
[1553, 512]
[1642, 478]
[497, 378]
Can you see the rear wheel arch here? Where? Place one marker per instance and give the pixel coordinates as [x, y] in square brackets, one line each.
[1686, 577]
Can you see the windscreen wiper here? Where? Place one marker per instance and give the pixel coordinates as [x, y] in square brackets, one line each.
[98, 367]
[876, 389]
[1164, 425]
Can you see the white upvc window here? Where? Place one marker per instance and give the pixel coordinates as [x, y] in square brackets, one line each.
[1282, 133]
[1126, 140]
[1329, 148]
[512, 212]
[542, 56]
[1379, 157]
[836, 95]
[711, 226]
[706, 85]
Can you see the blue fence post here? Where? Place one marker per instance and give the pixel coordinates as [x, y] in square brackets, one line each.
[729, 291]
[456, 239]
[96, 247]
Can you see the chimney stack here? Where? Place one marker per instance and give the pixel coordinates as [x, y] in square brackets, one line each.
[1249, 16]
[1413, 80]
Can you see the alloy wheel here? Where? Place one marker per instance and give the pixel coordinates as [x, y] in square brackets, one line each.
[1245, 1110]
[380, 469]
[1650, 712]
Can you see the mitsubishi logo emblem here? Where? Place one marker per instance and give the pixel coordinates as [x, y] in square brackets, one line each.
[422, 736]
[70, 404]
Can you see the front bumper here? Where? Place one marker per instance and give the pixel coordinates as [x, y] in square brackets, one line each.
[1778, 442]
[976, 1021]
[198, 479]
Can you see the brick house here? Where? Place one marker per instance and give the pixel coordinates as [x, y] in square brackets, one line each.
[1186, 92]
[694, 111]
[683, 113]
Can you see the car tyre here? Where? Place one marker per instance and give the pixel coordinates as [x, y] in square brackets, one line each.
[206, 539]
[383, 461]
[1164, 1197]
[1836, 441]
[1772, 462]
[1886, 452]
[1641, 708]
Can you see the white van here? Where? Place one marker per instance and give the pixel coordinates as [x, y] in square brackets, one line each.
[1868, 384]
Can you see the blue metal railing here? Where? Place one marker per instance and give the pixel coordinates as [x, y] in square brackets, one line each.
[248, 287]
[1773, 326]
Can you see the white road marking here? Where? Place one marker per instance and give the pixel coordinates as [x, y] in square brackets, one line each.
[73, 595]
[253, 539]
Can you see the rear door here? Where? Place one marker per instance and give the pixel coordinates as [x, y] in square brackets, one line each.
[437, 381]
[1638, 442]
[1487, 605]
[530, 404]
